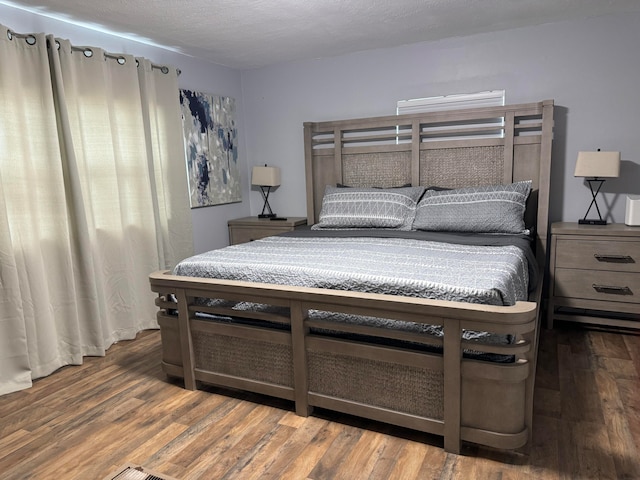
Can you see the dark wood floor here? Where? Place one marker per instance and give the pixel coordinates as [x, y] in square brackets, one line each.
[82, 422]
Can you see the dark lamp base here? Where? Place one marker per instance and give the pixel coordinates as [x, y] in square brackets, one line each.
[267, 215]
[584, 221]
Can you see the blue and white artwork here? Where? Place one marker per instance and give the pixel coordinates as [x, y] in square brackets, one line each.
[211, 151]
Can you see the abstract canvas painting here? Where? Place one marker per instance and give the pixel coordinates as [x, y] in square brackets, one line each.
[211, 150]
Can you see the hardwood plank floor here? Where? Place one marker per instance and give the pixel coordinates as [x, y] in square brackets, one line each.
[84, 421]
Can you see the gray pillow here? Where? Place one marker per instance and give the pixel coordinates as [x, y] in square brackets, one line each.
[488, 209]
[368, 208]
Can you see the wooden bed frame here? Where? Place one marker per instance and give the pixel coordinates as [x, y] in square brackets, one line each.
[445, 393]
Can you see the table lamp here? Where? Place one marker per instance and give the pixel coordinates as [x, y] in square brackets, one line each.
[265, 178]
[595, 167]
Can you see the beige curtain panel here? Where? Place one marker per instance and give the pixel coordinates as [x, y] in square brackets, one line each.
[93, 198]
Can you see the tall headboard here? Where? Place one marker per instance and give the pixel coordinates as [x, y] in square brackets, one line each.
[455, 148]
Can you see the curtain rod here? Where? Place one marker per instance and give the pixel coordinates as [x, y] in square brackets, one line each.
[88, 51]
[30, 38]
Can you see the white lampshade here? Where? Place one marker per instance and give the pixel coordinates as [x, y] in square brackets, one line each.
[265, 176]
[597, 164]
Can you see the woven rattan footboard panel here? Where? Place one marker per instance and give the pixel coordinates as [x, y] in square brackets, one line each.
[402, 388]
[254, 359]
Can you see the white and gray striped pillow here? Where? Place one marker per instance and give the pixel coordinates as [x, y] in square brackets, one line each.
[368, 208]
[487, 209]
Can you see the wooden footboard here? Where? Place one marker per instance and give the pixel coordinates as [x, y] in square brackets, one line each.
[441, 392]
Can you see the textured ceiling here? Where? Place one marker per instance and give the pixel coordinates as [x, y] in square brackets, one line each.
[254, 33]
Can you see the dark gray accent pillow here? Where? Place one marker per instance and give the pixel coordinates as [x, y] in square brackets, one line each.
[369, 207]
[488, 209]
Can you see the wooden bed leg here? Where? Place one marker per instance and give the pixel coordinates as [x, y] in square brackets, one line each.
[452, 357]
[532, 358]
[299, 332]
[186, 341]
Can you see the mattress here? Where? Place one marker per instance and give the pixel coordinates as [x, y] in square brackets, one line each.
[486, 274]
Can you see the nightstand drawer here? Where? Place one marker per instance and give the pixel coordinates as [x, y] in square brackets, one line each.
[609, 254]
[247, 229]
[597, 285]
[249, 234]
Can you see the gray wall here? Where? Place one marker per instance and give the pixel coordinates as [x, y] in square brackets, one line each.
[209, 223]
[591, 68]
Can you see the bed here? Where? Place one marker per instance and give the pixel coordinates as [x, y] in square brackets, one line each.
[331, 334]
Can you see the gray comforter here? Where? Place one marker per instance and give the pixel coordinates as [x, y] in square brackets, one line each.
[495, 275]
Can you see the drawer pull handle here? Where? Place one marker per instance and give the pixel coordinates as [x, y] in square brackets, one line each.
[612, 289]
[614, 258]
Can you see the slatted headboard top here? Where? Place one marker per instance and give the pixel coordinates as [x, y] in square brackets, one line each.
[456, 148]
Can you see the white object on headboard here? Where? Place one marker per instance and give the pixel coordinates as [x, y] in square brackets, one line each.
[490, 98]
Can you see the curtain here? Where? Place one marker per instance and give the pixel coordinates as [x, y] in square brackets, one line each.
[93, 198]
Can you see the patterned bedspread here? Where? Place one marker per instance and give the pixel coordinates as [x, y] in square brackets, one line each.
[495, 275]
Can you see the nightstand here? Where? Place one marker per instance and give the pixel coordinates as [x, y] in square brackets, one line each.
[595, 274]
[247, 229]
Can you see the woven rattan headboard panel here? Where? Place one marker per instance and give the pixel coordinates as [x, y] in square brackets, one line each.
[456, 148]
